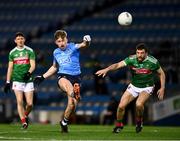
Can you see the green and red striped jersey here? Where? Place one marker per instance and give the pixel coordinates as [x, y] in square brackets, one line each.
[21, 62]
[142, 72]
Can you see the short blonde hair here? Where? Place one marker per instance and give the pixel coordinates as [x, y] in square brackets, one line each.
[60, 34]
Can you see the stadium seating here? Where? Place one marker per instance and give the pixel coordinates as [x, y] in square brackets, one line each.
[154, 22]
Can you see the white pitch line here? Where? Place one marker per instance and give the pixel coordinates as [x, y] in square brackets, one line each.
[15, 138]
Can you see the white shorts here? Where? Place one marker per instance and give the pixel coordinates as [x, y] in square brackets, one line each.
[21, 86]
[135, 91]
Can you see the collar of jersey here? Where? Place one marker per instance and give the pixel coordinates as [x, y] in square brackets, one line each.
[146, 58]
[20, 48]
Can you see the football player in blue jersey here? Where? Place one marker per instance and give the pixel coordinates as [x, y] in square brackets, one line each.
[66, 63]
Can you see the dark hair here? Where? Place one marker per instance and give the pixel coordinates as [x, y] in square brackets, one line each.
[19, 34]
[60, 34]
[141, 46]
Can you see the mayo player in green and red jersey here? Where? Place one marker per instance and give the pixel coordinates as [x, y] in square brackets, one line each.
[20, 67]
[143, 67]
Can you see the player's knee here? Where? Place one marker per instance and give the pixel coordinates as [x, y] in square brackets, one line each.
[76, 88]
[70, 92]
[121, 107]
[139, 105]
[30, 106]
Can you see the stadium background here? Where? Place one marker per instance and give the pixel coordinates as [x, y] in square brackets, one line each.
[155, 22]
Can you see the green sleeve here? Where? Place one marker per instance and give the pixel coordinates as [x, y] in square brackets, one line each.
[32, 55]
[157, 65]
[127, 61]
[10, 57]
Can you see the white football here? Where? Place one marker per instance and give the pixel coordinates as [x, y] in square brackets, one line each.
[125, 18]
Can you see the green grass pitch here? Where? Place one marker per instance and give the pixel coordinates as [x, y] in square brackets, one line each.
[86, 132]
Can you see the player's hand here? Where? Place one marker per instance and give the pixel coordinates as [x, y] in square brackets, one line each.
[87, 38]
[160, 93]
[27, 76]
[102, 72]
[7, 87]
[38, 80]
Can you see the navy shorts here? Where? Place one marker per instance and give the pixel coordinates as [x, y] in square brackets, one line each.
[72, 78]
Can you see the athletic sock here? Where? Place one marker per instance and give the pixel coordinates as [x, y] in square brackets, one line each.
[26, 113]
[139, 120]
[23, 120]
[119, 123]
[64, 121]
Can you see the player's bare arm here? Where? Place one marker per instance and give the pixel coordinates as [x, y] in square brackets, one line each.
[162, 77]
[9, 72]
[86, 42]
[32, 66]
[39, 79]
[51, 71]
[112, 67]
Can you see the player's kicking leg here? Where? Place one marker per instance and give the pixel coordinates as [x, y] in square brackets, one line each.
[76, 88]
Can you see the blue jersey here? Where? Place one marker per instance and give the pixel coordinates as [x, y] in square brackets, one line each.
[68, 59]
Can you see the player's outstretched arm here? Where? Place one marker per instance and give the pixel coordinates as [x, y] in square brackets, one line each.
[162, 77]
[50, 72]
[40, 79]
[112, 67]
[86, 42]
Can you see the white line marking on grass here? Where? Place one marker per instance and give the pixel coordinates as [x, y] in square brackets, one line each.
[15, 138]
